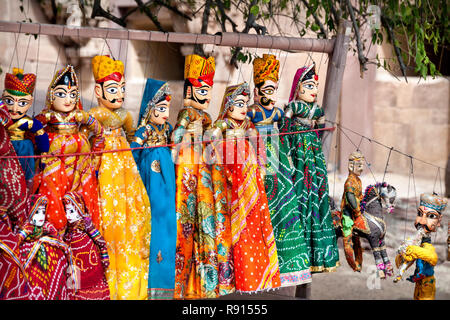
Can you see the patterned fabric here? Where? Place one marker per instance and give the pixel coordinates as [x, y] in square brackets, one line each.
[157, 171]
[104, 68]
[20, 84]
[87, 246]
[125, 209]
[199, 68]
[155, 91]
[434, 202]
[14, 195]
[25, 147]
[196, 261]
[292, 251]
[311, 187]
[266, 68]
[72, 173]
[298, 77]
[254, 249]
[46, 259]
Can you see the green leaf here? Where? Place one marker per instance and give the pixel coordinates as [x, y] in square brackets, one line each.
[254, 10]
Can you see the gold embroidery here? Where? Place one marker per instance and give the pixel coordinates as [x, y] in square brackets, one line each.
[156, 166]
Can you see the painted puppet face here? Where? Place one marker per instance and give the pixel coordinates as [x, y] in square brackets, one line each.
[72, 213]
[266, 94]
[160, 113]
[308, 90]
[64, 98]
[17, 105]
[198, 97]
[238, 110]
[356, 166]
[38, 218]
[428, 219]
[110, 94]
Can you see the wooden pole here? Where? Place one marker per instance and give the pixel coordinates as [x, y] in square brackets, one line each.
[335, 74]
[226, 39]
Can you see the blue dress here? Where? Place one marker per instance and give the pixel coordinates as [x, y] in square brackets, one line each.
[157, 171]
[24, 146]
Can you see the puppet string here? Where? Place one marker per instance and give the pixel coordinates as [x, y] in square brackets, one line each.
[159, 146]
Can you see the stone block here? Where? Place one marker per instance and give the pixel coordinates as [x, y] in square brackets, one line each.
[385, 94]
[433, 94]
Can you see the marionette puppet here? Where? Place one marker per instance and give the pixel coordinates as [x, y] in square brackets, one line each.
[429, 216]
[88, 249]
[362, 215]
[157, 171]
[62, 117]
[310, 172]
[283, 203]
[124, 203]
[254, 251]
[196, 264]
[13, 213]
[45, 257]
[18, 97]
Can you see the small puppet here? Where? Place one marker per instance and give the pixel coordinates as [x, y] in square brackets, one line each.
[62, 117]
[253, 246]
[45, 257]
[18, 97]
[157, 171]
[429, 216]
[310, 179]
[124, 204]
[88, 250]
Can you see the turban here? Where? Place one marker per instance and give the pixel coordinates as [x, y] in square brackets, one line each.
[198, 68]
[20, 84]
[104, 68]
[265, 68]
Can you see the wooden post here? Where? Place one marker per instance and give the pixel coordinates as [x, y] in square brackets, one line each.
[333, 85]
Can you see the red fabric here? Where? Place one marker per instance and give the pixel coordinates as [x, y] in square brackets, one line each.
[116, 76]
[207, 78]
[26, 85]
[86, 255]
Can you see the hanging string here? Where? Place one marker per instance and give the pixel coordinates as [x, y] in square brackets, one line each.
[146, 66]
[335, 166]
[407, 201]
[414, 180]
[26, 53]
[387, 163]
[103, 51]
[59, 50]
[63, 155]
[37, 66]
[15, 47]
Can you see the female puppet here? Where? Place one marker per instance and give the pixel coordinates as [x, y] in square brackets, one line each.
[13, 213]
[158, 174]
[46, 258]
[62, 117]
[254, 251]
[283, 203]
[18, 97]
[88, 250]
[310, 174]
[125, 207]
[196, 266]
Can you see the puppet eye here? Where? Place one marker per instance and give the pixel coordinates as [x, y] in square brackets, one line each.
[202, 92]
[122, 89]
[112, 90]
[9, 101]
[60, 94]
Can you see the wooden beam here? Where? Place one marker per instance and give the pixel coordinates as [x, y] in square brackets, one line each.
[227, 39]
[333, 85]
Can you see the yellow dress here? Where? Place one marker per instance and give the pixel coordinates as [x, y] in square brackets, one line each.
[124, 209]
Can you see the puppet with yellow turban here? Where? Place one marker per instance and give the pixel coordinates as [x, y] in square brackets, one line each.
[283, 203]
[124, 203]
[196, 262]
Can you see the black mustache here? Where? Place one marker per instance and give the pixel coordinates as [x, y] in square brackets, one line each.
[423, 226]
[265, 101]
[114, 100]
[21, 113]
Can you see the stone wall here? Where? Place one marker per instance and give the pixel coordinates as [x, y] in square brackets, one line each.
[412, 117]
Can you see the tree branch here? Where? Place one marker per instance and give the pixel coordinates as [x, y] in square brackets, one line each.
[98, 11]
[316, 19]
[388, 27]
[361, 57]
[149, 14]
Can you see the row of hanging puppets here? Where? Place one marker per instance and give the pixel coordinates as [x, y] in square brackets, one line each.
[164, 222]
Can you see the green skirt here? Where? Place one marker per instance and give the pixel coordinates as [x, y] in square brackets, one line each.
[293, 258]
[311, 187]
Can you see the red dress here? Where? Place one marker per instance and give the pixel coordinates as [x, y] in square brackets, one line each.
[91, 258]
[14, 206]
